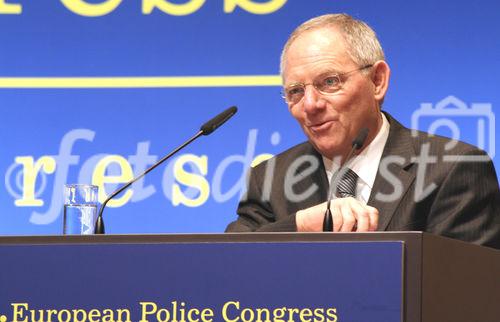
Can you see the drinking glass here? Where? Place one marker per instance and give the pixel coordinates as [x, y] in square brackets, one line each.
[80, 209]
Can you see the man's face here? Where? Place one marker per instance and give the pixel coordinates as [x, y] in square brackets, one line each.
[330, 121]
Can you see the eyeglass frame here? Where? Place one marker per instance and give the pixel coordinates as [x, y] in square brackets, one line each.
[303, 85]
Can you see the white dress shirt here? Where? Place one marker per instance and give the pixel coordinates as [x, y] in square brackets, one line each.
[364, 164]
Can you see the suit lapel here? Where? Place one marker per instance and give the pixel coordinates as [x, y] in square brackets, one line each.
[317, 178]
[394, 169]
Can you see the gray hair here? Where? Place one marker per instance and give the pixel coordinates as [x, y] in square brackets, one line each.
[362, 44]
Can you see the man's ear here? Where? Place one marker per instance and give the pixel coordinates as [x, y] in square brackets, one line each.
[380, 78]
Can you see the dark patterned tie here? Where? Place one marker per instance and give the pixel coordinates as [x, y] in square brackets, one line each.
[346, 186]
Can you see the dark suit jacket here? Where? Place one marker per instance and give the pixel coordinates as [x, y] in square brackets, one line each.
[434, 186]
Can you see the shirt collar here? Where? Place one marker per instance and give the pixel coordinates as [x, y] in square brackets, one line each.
[367, 162]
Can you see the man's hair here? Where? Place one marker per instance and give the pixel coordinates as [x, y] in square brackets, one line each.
[362, 44]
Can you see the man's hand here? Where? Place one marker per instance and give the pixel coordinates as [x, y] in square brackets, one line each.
[348, 215]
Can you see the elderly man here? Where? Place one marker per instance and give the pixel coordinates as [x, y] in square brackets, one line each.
[335, 78]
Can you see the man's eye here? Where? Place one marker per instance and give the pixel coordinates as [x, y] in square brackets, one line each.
[295, 91]
[331, 82]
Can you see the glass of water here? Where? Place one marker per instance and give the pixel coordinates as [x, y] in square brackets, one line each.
[80, 209]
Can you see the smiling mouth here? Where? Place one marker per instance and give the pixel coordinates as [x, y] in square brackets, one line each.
[321, 126]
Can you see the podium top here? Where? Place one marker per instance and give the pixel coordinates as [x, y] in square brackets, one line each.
[217, 238]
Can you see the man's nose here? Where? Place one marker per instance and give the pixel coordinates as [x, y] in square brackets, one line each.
[312, 100]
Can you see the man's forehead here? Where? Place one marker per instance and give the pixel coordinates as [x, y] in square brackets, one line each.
[320, 38]
[317, 51]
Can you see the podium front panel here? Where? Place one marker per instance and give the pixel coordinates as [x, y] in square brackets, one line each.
[208, 281]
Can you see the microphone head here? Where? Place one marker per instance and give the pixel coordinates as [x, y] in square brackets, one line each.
[217, 121]
[358, 142]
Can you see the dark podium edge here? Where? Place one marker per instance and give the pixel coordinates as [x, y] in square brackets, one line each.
[443, 279]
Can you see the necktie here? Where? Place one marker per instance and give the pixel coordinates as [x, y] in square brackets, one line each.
[346, 186]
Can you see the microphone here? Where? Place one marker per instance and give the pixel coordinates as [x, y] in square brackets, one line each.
[357, 143]
[205, 129]
[217, 121]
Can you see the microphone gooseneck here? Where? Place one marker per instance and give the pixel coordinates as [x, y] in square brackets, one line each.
[205, 129]
[360, 139]
[357, 143]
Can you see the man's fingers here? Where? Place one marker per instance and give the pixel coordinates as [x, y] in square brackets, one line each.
[310, 219]
[362, 215]
[348, 218]
[373, 215]
[351, 215]
[338, 221]
[348, 215]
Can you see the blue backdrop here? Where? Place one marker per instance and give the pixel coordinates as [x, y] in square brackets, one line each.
[95, 89]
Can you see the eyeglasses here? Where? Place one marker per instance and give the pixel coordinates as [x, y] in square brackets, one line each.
[325, 84]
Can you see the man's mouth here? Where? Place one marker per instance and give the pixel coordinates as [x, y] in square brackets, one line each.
[320, 126]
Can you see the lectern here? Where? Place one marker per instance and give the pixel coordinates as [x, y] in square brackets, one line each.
[358, 277]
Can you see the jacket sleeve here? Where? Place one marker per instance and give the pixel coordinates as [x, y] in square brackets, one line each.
[255, 211]
[467, 203]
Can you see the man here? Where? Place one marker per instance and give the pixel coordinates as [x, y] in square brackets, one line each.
[335, 78]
